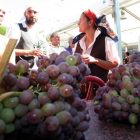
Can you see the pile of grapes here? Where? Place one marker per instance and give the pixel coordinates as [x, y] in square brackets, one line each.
[135, 57]
[44, 103]
[119, 100]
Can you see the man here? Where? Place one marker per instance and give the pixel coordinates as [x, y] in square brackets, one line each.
[30, 41]
[3, 39]
[55, 47]
[71, 46]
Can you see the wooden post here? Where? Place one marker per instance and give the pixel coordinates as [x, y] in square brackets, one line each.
[6, 56]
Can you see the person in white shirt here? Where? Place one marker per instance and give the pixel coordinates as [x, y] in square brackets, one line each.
[55, 47]
[96, 45]
[3, 39]
[31, 44]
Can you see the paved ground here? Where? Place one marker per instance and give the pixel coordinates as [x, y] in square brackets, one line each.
[101, 130]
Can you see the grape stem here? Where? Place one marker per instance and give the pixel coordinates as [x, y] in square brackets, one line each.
[31, 87]
[18, 76]
[43, 70]
[36, 92]
[3, 96]
[55, 85]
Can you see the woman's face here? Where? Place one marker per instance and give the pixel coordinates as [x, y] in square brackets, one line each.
[83, 24]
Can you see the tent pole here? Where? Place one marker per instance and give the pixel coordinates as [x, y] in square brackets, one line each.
[117, 20]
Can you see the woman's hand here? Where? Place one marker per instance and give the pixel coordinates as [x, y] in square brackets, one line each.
[88, 59]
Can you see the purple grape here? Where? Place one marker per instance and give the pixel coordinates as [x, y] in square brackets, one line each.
[124, 116]
[75, 121]
[55, 133]
[64, 117]
[23, 83]
[11, 68]
[63, 78]
[44, 98]
[45, 61]
[79, 136]
[53, 56]
[121, 68]
[81, 116]
[22, 66]
[51, 123]
[21, 110]
[42, 78]
[53, 93]
[106, 104]
[24, 120]
[41, 130]
[59, 60]
[82, 67]
[64, 67]
[59, 106]
[97, 109]
[10, 80]
[35, 116]
[52, 70]
[87, 72]
[116, 106]
[33, 74]
[48, 110]
[73, 111]
[34, 104]
[78, 56]
[83, 126]
[26, 97]
[114, 99]
[66, 90]
[64, 54]
[74, 71]
[77, 102]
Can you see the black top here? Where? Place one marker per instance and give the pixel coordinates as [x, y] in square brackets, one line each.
[98, 51]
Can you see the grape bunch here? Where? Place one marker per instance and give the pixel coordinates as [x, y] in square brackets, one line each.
[119, 99]
[44, 103]
[135, 57]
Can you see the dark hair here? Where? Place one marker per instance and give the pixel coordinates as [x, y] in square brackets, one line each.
[127, 53]
[88, 19]
[52, 35]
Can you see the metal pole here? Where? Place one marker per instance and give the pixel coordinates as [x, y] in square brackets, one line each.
[117, 20]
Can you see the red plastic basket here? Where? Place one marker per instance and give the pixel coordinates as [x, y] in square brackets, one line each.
[95, 80]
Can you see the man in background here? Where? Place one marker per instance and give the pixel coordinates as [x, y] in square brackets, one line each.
[30, 42]
[71, 46]
[55, 47]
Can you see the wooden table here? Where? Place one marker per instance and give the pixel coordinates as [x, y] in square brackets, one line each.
[101, 130]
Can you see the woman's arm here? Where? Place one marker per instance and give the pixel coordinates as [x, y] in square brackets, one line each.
[102, 63]
[35, 52]
[106, 64]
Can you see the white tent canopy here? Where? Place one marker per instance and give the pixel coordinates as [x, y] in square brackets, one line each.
[62, 16]
[130, 27]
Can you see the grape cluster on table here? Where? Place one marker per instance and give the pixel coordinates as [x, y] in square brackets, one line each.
[44, 103]
[119, 99]
[135, 57]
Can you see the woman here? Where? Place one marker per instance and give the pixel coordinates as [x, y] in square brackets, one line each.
[96, 44]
